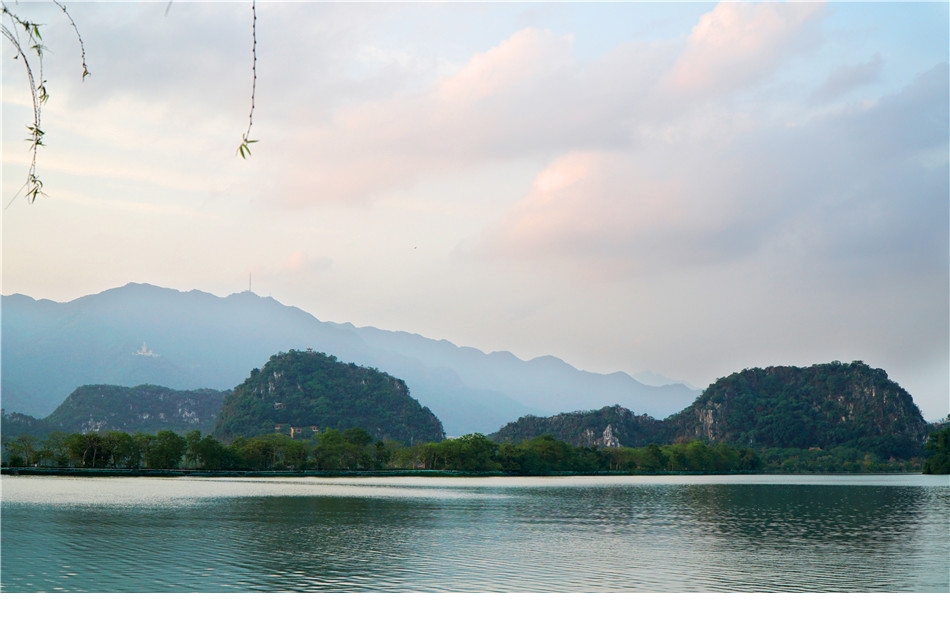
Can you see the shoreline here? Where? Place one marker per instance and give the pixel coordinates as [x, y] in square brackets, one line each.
[17, 471]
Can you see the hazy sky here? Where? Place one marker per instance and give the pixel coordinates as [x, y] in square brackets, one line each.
[688, 188]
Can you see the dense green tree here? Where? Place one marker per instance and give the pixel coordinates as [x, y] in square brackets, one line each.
[431, 455]
[381, 455]
[124, 451]
[167, 450]
[328, 453]
[211, 454]
[88, 450]
[938, 445]
[469, 453]
[192, 442]
[654, 459]
[22, 450]
[145, 443]
[252, 453]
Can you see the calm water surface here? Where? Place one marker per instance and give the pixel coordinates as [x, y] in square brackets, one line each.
[578, 534]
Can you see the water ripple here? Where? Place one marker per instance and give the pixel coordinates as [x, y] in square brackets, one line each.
[569, 535]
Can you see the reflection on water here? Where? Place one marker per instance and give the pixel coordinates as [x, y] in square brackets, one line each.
[576, 534]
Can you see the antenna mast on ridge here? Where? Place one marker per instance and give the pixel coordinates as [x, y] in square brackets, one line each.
[249, 282]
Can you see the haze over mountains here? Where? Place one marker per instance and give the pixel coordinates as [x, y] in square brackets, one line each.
[143, 334]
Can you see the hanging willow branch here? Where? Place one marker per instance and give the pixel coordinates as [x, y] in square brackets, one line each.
[31, 45]
[244, 148]
[33, 39]
[82, 45]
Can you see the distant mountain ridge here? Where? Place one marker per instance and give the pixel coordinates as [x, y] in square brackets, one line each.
[198, 340]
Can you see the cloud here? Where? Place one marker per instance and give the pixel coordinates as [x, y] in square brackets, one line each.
[528, 97]
[863, 191]
[522, 58]
[846, 79]
[525, 97]
[738, 44]
[588, 204]
[298, 262]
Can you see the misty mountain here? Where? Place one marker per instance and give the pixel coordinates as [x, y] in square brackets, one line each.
[140, 334]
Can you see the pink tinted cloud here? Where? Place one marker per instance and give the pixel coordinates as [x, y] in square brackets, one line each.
[524, 97]
[522, 57]
[831, 192]
[300, 262]
[738, 43]
[499, 103]
[589, 204]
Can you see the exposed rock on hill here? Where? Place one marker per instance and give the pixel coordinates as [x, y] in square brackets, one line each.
[301, 390]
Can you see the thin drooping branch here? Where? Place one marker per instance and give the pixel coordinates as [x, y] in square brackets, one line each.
[36, 80]
[38, 93]
[82, 45]
[244, 149]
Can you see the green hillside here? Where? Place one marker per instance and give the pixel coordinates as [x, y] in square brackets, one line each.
[146, 408]
[14, 424]
[607, 427]
[823, 406]
[829, 406]
[308, 389]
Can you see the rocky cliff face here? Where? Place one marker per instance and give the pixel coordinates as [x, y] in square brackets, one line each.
[834, 404]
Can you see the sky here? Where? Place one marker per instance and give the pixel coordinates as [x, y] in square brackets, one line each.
[684, 188]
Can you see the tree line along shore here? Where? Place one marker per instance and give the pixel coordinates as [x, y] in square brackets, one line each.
[354, 451]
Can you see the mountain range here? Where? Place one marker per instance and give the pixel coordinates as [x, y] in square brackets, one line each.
[143, 334]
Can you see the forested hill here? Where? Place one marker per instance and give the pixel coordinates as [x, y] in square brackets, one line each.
[308, 389]
[146, 408]
[822, 406]
[14, 424]
[834, 405]
[607, 427]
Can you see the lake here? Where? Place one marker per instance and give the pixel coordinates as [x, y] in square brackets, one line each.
[755, 533]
